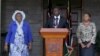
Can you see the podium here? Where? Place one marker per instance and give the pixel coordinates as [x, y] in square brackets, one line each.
[54, 40]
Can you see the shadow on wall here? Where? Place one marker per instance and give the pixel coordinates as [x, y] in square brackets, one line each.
[3, 36]
[97, 45]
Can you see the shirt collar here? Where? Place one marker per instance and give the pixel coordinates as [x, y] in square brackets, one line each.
[57, 16]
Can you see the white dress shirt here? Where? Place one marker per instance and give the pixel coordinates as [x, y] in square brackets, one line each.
[58, 20]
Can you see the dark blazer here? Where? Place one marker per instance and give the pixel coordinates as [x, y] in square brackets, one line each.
[63, 23]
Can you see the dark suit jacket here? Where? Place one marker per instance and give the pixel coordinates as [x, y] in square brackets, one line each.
[63, 23]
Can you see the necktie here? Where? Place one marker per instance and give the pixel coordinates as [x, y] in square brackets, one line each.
[55, 22]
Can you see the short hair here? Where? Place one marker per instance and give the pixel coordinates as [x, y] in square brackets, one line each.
[89, 14]
[56, 7]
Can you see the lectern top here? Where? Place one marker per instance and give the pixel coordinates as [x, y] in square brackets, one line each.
[54, 30]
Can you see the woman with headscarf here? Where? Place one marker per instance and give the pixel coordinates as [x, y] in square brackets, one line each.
[19, 35]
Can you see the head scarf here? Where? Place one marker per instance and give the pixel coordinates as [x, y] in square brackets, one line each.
[18, 11]
[19, 26]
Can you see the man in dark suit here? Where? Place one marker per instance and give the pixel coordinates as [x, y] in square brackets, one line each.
[56, 20]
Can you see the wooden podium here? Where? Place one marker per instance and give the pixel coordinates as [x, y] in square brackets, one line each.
[54, 40]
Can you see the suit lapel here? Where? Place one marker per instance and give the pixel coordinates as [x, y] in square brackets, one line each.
[52, 20]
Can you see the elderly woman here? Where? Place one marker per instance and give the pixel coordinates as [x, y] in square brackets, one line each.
[19, 35]
[86, 34]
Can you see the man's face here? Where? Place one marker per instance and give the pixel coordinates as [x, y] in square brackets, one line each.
[56, 11]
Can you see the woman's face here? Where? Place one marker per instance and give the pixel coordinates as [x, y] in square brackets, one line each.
[86, 17]
[18, 17]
